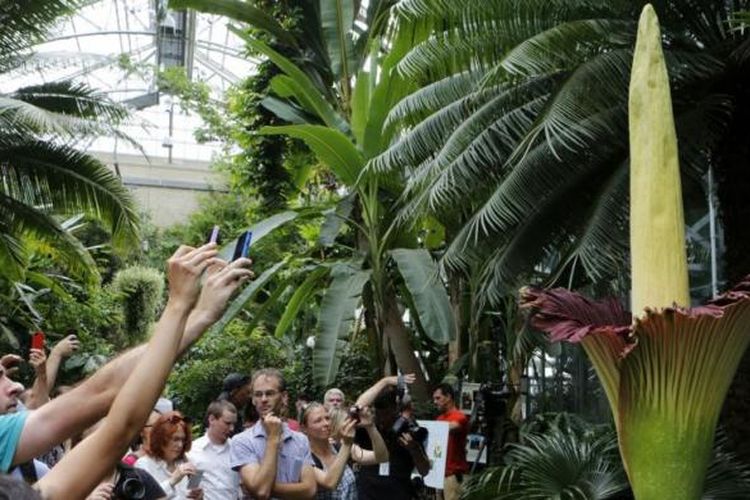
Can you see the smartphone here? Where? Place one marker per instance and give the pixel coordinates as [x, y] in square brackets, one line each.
[195, 480]
[213, 237]
[243, 245]
[37, 340]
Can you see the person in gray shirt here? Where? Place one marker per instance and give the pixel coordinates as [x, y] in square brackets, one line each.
[273, 461]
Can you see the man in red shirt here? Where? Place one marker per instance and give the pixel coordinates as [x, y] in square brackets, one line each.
[456, 465]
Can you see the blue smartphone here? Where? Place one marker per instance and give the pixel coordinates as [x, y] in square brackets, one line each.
[243, 245]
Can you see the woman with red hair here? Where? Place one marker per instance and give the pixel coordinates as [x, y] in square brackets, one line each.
[165, 460]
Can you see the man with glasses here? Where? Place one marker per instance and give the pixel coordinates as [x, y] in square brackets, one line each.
[273, 461]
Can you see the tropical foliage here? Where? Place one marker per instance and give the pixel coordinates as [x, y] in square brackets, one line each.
[140, 290]
[521, 121]
[665, 413]
[44, 176]
[562, 456]
[337, 107]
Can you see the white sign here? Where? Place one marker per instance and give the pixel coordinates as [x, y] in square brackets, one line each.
[437, 451]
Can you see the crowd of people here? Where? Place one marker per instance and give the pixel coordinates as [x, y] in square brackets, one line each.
[113, 437]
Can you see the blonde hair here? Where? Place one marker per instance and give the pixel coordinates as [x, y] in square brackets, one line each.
[306, 410]
[337, 417]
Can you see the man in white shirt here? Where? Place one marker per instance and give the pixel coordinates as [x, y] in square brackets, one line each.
[210, 453]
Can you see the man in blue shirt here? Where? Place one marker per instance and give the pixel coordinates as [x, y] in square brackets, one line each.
[273, 460]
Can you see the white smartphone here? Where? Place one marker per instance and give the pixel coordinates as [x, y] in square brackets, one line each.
[195, 480]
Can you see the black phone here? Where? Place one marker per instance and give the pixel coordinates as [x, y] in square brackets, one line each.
[243, 245]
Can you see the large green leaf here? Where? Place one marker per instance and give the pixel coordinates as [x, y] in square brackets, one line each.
[239, 11]
[331, 146]
[335, 219]
[305, 90]
[244, 297]
[336, 19]
[336, 316]
[428, 294]
[260, 229]
[285, 86]
[390, 88]
[300, 297]
[22, 221]
[360, 106]
[286, 111]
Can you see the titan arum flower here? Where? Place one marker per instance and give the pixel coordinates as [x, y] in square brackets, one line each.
[667, 367]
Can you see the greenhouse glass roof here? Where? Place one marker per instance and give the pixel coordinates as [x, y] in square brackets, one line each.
[115, 46]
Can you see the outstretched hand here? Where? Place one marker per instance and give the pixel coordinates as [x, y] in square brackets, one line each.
[409, 378]
[38, 360]
[347, 431]
[184, 270]
[67, 346]
[365, 417]
[222, 280]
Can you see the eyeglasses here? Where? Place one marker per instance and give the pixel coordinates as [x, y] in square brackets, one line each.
[268, 394]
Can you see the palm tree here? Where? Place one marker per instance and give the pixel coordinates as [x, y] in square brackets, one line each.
[335, 86]
[43, 174]
[565, 457]
[521, 122]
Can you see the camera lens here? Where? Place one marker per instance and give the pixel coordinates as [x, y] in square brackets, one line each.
[132, 488]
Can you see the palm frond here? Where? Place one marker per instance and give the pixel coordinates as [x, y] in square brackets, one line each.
[728, 477]
[73, 99]
[478, 148]
[565, 46]
[559, 10]
[25, 23]
[63, 180]
[425, 139]
[594, 88]
[19, 221]
[61, 109]
[602, 246]
[554, 465]
[430, 98]
[453, 51]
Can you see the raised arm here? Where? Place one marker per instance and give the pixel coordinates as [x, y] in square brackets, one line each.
[329, 479]
[84, 467]
[379, 452]
[62, 350]
[55, 422]
[40, 389]
[369, 396]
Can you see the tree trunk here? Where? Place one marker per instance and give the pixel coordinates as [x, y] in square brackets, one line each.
[733, 189]
[399, 340]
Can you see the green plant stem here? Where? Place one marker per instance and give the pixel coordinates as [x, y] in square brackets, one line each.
[663, 461]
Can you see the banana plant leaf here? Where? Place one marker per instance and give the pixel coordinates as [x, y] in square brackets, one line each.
[428, 294]
[336, 316]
